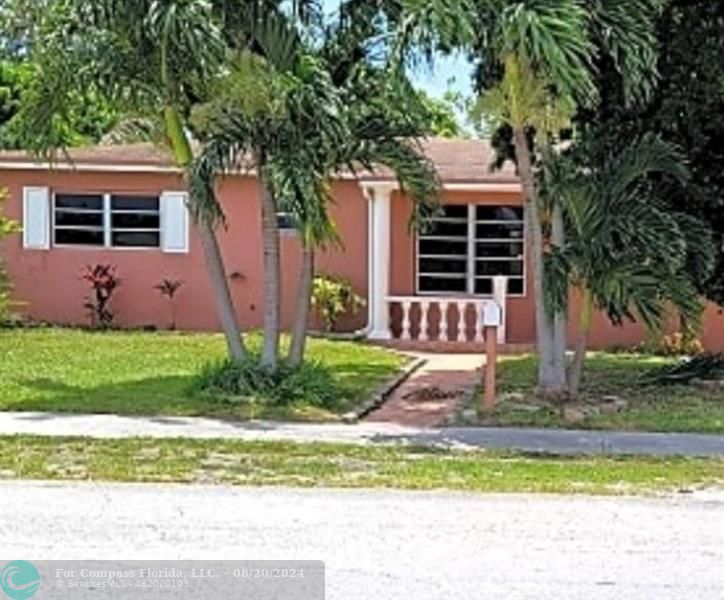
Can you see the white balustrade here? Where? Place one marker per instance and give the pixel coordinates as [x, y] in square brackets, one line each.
[424, 308]
[406, 323]
[424, 318]
[443, 306]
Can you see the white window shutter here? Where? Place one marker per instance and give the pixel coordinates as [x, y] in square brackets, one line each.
[36, 218]
[174, 222]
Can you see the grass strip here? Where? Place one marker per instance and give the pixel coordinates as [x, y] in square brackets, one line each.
[246, 463]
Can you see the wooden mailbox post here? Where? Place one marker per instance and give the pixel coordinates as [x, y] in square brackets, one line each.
[492, 319]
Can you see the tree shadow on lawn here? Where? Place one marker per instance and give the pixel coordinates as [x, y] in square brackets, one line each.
[174, 395]
[164, 395]
[358, 380]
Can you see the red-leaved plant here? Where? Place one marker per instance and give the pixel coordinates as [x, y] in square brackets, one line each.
[103, 282]
[168, 289]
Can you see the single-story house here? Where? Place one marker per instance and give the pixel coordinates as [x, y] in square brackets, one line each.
[125, 206]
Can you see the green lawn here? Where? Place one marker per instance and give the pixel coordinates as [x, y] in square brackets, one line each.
[139, 373]
[345, 466]
[650, 407]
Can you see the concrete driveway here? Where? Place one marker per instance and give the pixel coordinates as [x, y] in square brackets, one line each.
[390, 545]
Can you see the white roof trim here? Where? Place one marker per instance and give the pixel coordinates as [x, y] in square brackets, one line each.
[484, 187]
[492, 187]
[501, 187]
[87, 167]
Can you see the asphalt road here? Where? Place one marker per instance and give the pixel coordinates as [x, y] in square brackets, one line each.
[390, 545]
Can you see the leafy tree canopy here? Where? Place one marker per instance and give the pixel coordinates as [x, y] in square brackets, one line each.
[88, 117]
[686, 109]
[442, 120]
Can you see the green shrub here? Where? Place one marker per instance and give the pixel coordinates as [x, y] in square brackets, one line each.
[701, 366]
[235, 381]
[332, 298]
[7, 227]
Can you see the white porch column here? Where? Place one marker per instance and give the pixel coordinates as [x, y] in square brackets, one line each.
[379, 260]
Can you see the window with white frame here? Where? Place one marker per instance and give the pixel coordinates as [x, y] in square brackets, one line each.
[467, 245]
[286, 222]
[107, 220]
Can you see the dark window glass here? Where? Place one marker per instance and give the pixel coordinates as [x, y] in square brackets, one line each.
[499, 232]
[499, 249]
[442, 265]
[286, 221]
[499, 267]
[455, 211]
[515, 286]
[79, 201]
[443, 247]
[484, 286]
[78, 237]
[135, 221]
[499, 213]
[134, 203]
[136, 239]
[447, 229]
[443, 284]
[79, 219]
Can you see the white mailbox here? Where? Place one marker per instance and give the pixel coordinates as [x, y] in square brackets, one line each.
[492, 315]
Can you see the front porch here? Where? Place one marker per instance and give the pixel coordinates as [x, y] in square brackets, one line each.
[450, 320]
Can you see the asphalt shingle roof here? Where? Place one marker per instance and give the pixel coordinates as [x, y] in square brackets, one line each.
[456, 160]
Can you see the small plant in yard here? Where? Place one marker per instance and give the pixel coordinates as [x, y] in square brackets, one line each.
[168, 288]
[705, 366]
[676, 344]
[332, 298]
[7, 227]
[103, 282]
[233, 381]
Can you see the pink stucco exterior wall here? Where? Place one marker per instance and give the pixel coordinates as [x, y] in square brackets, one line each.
[48, 283]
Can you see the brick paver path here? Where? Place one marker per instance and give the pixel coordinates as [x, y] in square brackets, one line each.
[433, 392]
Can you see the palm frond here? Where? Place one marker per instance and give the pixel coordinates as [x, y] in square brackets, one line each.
[554, 36]
[627, 30]
[630, 253]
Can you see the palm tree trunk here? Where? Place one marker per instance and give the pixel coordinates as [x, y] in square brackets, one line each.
[272, 270]
[551, 381]
[584, 329]
[301, 313]
[560, 319]
[222, 294]
[214, 261]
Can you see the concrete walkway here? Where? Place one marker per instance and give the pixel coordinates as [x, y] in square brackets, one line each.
[529, 440]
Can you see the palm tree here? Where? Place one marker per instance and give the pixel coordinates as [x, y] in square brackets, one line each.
[623, 254]
[146, 58]
[306, 195]
[309, 112]
[261, 113]
[383, 118]
[366, 148]
[539, 57]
